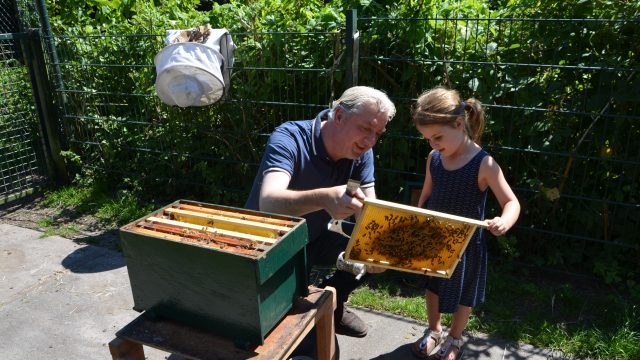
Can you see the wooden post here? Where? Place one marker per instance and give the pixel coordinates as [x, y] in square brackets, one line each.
[325, 335]
[49, 128]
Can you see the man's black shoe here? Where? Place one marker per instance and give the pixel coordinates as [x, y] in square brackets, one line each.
[351, 325]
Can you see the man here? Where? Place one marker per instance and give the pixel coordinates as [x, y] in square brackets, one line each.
[304, 172]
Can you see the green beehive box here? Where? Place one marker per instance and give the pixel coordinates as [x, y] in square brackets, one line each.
[232, 271]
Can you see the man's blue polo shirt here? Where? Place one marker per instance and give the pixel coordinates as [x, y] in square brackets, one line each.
[296, 148]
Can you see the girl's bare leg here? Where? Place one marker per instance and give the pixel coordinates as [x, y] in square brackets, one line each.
[433, 312]
[459, 321]
[423, 347]
[458, 324]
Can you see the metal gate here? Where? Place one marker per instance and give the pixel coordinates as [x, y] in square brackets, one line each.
[24, 160]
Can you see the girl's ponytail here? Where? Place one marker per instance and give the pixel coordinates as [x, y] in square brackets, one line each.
[474, 119]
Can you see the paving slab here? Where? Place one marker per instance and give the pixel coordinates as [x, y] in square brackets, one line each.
[60, 299]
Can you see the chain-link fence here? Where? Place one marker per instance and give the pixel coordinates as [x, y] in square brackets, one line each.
[9, 19]
[21, 162]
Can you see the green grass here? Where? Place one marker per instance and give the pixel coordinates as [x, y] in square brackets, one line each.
[108, 208]
[66, 231]
[581, 321]
[51, 228]
[46, 222]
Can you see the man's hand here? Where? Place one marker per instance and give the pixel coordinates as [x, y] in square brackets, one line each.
[340, 204]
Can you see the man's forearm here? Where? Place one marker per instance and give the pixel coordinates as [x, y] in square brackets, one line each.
[291, 202]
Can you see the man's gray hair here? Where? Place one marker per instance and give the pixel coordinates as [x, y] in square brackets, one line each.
[354, 97]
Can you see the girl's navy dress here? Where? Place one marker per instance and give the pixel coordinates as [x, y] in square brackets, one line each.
[456, 192]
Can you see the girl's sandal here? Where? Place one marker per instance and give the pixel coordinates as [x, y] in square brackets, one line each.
[421, 348]
[450, 345]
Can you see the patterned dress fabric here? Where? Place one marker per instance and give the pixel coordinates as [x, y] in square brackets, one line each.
[456, 192]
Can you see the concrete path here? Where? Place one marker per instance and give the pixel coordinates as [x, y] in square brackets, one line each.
[390, 337]
[63, 300]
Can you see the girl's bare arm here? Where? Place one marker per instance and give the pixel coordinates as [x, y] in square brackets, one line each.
[426, 187]
[491, 175]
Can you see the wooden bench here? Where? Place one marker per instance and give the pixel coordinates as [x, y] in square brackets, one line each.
[313, 311]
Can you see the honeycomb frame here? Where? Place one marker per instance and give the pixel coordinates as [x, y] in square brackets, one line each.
[410, 239]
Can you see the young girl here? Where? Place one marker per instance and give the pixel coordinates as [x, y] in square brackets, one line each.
[458, 174]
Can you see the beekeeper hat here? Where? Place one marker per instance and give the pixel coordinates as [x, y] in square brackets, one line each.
[192, 73]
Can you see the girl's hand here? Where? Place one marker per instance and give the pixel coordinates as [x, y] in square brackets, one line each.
[497, 226]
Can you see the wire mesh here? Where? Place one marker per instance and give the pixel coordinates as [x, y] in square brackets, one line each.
[9, 20]
[21, 167]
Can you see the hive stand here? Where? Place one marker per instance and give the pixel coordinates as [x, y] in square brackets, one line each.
[313, 311]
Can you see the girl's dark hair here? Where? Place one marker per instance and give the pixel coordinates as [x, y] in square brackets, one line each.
[442, 106]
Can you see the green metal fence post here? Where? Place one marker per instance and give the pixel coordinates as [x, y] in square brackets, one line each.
[352, 47]
[34, 58]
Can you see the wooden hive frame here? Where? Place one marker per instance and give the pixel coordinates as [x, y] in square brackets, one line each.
[408, 238]
[218, 228]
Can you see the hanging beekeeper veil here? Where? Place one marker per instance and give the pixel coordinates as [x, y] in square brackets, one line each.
[194, 67]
